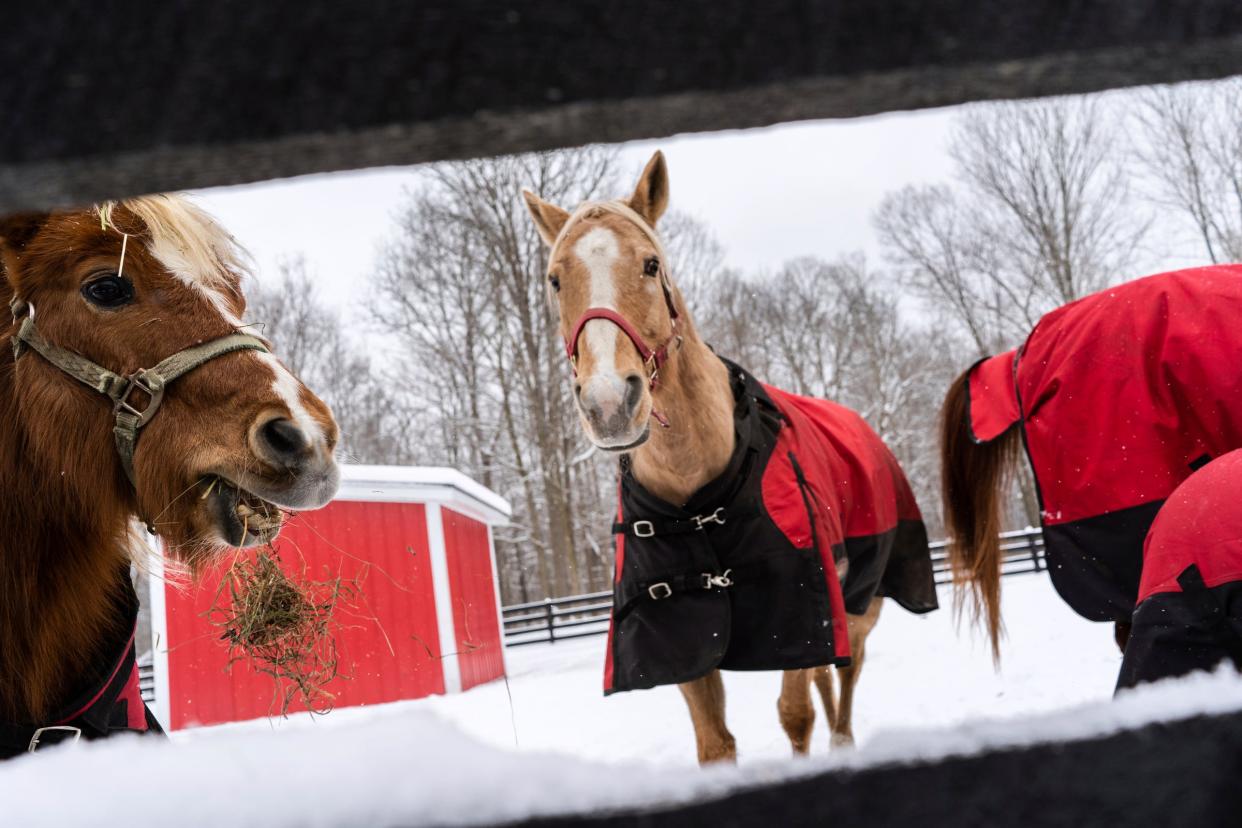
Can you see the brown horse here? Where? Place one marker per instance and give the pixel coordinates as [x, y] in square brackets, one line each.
[202, 447]
[633, 329]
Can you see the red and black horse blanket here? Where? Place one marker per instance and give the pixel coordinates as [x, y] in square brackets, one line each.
[810, 520]
[1120, 396]
[1189, 615]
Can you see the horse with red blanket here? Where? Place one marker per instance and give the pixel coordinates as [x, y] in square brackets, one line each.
[756, 530]
[1189, 615]
[1117, 398]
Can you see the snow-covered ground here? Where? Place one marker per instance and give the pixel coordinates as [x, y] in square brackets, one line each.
[920, 671]
[549, 741]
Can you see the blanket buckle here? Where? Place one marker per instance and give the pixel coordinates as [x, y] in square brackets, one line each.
[643, 529]
[660, 591]
[72, 734]
[715, 517]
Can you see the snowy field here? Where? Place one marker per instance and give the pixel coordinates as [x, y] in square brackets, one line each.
[475, 757]
[919, 672]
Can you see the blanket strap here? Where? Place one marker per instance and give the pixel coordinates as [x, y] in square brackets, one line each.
[660, 589]
[695, 523]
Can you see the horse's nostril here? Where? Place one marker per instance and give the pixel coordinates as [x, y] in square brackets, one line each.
[283, 439]
[578, 390]
[633, 390]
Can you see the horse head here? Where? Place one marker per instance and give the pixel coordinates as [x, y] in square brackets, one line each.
[138, 391]
[607, 271]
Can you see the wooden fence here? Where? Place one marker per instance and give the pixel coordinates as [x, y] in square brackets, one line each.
[578, 616]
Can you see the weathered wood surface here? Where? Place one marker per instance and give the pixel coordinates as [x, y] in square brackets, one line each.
[106, 99]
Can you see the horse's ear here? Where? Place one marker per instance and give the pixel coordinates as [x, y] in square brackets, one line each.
[549, 219]
[651, 195]
[16, 231]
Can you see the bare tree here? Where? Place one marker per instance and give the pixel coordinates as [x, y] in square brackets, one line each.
[697, 256]
[1041, 216]
[1191, 148]
[834, 330]
[311, 340]
[461, 286]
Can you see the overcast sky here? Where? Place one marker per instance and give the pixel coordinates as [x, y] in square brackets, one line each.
[769, 195]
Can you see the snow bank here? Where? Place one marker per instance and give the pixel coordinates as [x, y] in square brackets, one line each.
[413, 769]
[409, 768]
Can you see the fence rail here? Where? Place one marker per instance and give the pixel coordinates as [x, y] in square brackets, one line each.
[579, 616]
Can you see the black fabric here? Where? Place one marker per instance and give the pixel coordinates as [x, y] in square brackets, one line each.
[1200, 461]
[1102, 586]
[108, 677]
[1179, 773]
[776, 614]
[886, 565]
[719, 516]
[1175, 633]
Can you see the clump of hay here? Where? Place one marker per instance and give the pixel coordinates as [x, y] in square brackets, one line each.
[282, 627]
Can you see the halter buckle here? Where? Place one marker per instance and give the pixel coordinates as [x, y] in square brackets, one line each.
[153, 389]
[75, 733]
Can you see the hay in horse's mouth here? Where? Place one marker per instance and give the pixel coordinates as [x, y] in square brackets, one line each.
[245, 519]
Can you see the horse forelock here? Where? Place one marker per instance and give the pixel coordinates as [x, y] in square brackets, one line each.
[595, 209]
[190, 244]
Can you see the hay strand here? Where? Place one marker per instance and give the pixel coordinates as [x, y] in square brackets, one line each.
[283, 627]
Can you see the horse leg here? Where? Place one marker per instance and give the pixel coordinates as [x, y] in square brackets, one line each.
[827, 694]
[795, 708]
[859, 626]
[706, 699]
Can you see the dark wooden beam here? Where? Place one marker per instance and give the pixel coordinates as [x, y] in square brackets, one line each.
[104, 99]
[1169, 773]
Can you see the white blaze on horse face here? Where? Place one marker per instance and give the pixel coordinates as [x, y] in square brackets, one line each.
[599, 250]
[193, 247]
[289, 389]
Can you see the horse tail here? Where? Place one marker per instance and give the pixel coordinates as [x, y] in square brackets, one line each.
[971, 477]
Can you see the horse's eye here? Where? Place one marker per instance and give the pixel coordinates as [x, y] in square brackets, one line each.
[651, 266]
[108, 291]
[555, 282]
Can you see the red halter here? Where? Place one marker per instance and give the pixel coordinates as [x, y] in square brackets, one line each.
[653, 358]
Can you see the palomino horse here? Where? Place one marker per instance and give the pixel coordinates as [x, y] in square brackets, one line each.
[134, 396]
[1117, 398]
[751, 521]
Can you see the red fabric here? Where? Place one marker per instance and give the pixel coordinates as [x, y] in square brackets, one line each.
[616, 579]
[857, 488]
[1200, 523]
[1122, 390]
[993, 402]
[135, 708]
[132, 693]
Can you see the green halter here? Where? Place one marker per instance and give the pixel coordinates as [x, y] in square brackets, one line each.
[150, 381]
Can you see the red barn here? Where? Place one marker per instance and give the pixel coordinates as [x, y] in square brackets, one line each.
[427, 621]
